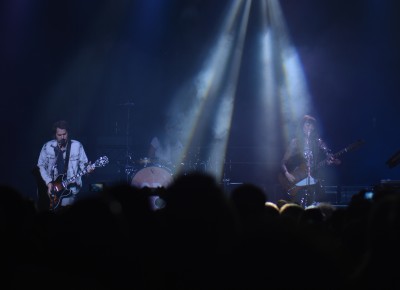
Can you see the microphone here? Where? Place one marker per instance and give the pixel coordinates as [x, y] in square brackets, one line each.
[62, 142]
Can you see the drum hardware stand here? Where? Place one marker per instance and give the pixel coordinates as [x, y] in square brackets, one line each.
[128, 155]
[226, 181]
[308, 155]
[307, 196]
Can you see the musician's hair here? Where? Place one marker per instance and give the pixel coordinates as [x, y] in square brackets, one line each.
[309, 118]
[61, 124]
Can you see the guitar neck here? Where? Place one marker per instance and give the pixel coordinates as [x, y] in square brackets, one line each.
[325, 161]
[79, 174]
[341, 152]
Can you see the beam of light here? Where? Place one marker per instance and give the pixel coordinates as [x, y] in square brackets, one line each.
[207, 86]
[284, 91]
[294, 94]
[268, 85]
[225, 111]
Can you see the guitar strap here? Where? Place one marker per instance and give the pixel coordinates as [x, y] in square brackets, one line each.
[67, 153]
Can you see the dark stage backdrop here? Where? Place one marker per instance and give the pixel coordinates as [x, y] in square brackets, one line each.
[111, 68]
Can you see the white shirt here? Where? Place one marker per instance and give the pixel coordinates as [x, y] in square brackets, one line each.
[47, 162]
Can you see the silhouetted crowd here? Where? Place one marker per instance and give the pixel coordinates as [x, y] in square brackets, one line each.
[200, 238]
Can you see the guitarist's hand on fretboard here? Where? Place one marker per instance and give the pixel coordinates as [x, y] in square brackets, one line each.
[331, 160]
[89, 168]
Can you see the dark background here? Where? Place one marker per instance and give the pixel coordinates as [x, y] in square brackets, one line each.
[111, 67]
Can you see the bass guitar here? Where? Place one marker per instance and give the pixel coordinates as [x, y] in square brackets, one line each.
[300, 173]
[60, 184]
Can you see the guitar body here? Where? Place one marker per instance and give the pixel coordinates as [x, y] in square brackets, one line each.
[60, 185]
[302, 179]
[58, 193]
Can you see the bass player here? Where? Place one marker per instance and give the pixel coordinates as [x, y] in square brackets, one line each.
[299, 177]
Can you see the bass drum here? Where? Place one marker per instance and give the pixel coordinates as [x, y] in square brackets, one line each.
[152, 177]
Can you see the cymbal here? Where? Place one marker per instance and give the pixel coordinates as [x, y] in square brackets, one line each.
[145, 160]
[155, 161]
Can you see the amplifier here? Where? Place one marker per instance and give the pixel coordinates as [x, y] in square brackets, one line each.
[389, 182]
[347, 192]
[388, 186]
[329, 194]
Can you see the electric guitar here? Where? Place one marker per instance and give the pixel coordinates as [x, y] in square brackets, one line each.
[300, 173]
[60, 184]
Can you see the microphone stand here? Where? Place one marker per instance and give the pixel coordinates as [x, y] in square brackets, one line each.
[127, 170]
[306, 198]
[128, 156]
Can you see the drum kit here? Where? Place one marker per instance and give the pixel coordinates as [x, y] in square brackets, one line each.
[156, 173]
[152, 174]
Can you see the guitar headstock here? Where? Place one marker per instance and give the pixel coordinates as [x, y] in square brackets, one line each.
[101, 162]
[355, 145]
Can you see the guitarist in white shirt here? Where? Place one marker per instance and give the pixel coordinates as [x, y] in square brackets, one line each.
[71, 164]
[299, 164]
